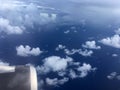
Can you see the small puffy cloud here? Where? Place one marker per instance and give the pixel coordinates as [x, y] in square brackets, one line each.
[73, 74]
[60, 47]
[56, 81]
[112, 75]
[67, 31]
[28, 51]
[7, 28]
[79, 51]
[114, 55]
[86, 52]
[84, 69]
[91, 45]
[113, 41]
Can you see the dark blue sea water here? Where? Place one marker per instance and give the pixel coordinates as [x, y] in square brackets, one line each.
[48, 38]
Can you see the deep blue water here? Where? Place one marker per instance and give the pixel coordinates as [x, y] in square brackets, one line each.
[48, 39]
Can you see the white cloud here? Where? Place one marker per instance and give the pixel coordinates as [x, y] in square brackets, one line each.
[79, 51]
[71, 52]
[86, 52]
[55, 64]
[113, 41]
[112, 75]
[60, 47]
[26, 14]
[67, 31]
[114, 55]
[56, 81]
[73, 74]
[65, 68]
[28, 51]
[21, 8]
[91, 45]
[10, 4]
[9, 29]
[84, 69]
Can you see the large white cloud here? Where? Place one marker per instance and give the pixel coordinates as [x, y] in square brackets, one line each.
[28, 51]
[113, 41]
[91, 45]
[7, 28]
[55, 63]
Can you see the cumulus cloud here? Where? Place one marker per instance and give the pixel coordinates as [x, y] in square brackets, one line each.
[91, 45]
[55, 81]
[86, 52]
[79, 51]
[55, 63]
[60, 47]
[114, 75]
[114, 55]
[73, 74]
[28, 51]
[67, 31]
[65, 68]
[84, 69]
[7, 28]
[113, 41]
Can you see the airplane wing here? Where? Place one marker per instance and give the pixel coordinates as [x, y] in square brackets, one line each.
[18, 78]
